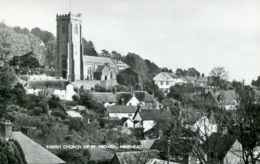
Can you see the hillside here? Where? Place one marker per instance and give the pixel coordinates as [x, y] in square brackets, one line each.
[42, 44]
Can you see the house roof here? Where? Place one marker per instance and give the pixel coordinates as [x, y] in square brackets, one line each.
[86, 84]
[99, 60]
[190, 78]
[170, 75]
[72, 113]
[229, 97]
[104, 97]
[124, 119]
[146, 144]
[143, 96]
[121, 109]
[35, 153]
[153, 114]
[219, 144]
[100, 155]
[100, 68]
[54, 84]
[140, 95]
[158, 161]
[176, 145]
[79, 107]
[136, 157]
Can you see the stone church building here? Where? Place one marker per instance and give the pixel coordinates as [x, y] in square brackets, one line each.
[71, 64]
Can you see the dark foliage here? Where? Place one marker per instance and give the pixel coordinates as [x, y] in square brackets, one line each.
[128, 77]
[89, 48]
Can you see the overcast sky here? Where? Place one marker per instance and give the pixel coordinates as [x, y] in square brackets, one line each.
[171, 33]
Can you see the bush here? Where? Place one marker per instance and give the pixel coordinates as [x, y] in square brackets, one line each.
[100, 88]
[37, 111]
[54, 101]
[58, 114]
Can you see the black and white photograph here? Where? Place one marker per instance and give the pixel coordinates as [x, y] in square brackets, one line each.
[129, 82]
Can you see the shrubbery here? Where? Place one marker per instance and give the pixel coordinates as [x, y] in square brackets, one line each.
[59, 114]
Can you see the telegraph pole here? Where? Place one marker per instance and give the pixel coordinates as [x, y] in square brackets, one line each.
[169, 141]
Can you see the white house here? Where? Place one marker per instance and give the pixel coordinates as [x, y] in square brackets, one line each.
[127, 122]
[61, 88]
[58, 87]
[147, 118]
[205, 126]
[120, 111]
[165, 80]
[136, 98]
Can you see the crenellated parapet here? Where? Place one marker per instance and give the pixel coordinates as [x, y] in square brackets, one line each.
[69, 16]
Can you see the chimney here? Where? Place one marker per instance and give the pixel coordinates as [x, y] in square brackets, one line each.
[122, 101]
[160, 133]
[6, 129]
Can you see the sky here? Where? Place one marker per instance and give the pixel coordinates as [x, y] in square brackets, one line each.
[171, 33]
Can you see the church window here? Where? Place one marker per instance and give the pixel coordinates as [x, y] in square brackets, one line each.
[76, 29]
[63, 29]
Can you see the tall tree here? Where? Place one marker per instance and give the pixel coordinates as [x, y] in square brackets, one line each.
[127, 77]
[256, 82]
[218, 75]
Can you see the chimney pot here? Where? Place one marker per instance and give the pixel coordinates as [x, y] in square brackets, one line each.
[6, 129]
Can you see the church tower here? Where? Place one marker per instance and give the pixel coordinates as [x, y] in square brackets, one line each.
[69, 59]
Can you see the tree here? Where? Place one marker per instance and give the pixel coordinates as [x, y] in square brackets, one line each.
[5, 45]
[105, 53]
[89, 48]
[7, 79]
[25, 62]
[193, 72]
[246, 127]
[116, 55]
[219, 75]
[256, 82]
[127, 77]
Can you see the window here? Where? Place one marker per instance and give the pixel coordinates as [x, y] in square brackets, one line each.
[76, 29]
[129, 115]
[63, 29]
[167, 82]
[161, 82]
[180, 157]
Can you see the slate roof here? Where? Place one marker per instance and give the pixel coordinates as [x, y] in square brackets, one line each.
[153, 114]
[37, 84]
[143, 96]
[219, 144]
[121, 109]
[147, 143]
[190, 78]
[176, 146]
[104, 97]
[158, 161]
[170, 75]
[229, 97]
[74, 114]
[99, 60]
[100, 68]
[136, 157]
[34, 152]
[100, 155]
[86, 84]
